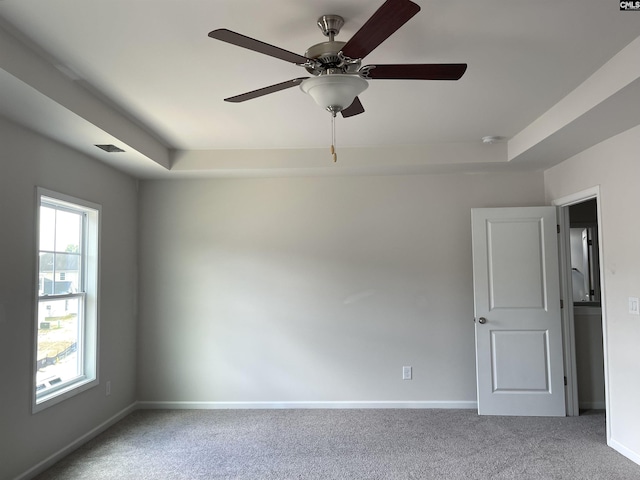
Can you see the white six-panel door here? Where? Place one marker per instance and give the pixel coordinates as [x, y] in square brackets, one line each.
[517, 312]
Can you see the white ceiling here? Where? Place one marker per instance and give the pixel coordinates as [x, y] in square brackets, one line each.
[145, 75]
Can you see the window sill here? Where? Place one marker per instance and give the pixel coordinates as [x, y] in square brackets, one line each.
[50, 399]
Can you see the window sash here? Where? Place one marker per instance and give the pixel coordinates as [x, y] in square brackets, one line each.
[79, 350]
[64, 206]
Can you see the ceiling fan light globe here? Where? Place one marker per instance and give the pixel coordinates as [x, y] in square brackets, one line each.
[334, 92]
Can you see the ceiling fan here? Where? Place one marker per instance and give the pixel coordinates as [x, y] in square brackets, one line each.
[338, 75]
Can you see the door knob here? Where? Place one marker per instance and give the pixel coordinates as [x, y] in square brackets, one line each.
[482, 320]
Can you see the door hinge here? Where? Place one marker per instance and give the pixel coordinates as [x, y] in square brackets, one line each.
[558, 228]
[565, 381]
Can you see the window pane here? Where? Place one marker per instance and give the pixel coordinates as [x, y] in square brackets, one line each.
[58, 335]
[46, 274]
[47, 228]
[68, 231]
[60, 273]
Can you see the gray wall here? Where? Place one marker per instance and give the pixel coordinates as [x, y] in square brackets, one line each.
[313, 289]
[589, 356]
[28, 160]
[614, 166]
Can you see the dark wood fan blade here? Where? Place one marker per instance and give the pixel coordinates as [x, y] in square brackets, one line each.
[256, 45]
[424, 71]
[265, 91]
[382, 24]
[355, 108]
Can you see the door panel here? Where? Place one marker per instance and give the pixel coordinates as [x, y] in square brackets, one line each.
[516, 292]
[520, 361]
[512, 245]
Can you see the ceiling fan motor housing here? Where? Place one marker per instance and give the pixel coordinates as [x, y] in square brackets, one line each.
[327, 52]
[330, 62]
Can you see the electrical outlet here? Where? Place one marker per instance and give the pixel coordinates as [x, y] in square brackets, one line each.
[406, 373]
[634, 306]
[108, 388]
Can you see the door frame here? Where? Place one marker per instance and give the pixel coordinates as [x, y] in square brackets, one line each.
[568, 325]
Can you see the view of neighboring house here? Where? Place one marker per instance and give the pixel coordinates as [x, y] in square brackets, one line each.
[58, 273]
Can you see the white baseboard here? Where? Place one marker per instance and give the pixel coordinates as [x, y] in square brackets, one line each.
[303, 405]
[630, 454]
[63, 452]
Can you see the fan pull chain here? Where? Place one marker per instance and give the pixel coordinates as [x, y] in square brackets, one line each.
[333, 138]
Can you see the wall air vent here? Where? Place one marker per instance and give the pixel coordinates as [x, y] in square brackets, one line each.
[110, 148]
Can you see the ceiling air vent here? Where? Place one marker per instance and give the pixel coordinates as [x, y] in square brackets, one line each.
[110, 148]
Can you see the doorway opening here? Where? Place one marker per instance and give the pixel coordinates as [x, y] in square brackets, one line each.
[584, 321]
[586, 304]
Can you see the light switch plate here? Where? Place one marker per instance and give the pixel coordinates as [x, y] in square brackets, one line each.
[634, 306]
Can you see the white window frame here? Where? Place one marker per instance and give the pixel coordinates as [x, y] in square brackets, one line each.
[88, 295]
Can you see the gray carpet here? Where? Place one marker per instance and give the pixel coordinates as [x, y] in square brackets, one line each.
[346, 444]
